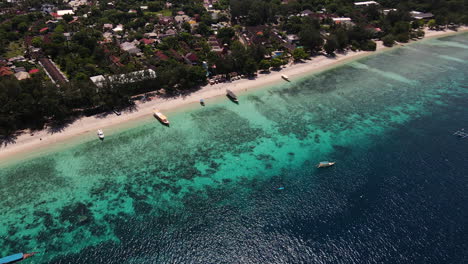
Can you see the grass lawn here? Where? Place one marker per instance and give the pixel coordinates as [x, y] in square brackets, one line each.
[165, 12]
[14, 49]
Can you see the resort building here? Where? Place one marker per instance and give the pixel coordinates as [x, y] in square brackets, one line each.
[53, 71]
[420, 15]
[130, 48]
[22, 75]
[101, 80]
[366, 3]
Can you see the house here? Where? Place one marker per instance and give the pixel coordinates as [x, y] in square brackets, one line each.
[419, 15]
[161, 56]
[151, 35]
[77, 3]
[22, 76]
[191, 58]
[107, 27]
[47, 8]
[181, 19]
[107, 37]
[17, 58]
[292, 38]
[65, 12]
[168, 33]
[342, 20]
[130, 48]
[386, 11]
[51, 24]
[33, 71]
[165, 20]
[43, 30]
[118, 28]
[147, 41]
[131, 77]
[306, 12]
[366, 3]
[215, 45]
[115, 61]
[5, 71]
[68, 36]
[19, 69]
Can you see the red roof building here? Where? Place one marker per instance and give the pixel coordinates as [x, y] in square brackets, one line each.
[5, 71]
[161, 55]
[191, 58]
[42, 30]
[115, 60]
[147, 41]
[33, 71]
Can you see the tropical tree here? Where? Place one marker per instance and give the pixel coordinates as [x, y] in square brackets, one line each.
[299, 54]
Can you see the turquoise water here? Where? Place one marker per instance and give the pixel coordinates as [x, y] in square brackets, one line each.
[205, 189]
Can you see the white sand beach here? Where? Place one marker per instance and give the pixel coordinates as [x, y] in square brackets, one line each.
[26, 143]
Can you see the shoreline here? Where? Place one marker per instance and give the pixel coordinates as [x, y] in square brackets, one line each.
[84, 129]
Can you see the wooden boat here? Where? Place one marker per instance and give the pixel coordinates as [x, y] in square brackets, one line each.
[232, 96]
[324, 164]
[160, 117]
[285, 77]
[16, 257]
[202, 102]
[100, 134]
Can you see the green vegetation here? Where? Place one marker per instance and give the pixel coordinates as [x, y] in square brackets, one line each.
[14, 49]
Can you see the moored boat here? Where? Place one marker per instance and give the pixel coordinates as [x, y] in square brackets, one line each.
[285, 77]
[202, 102]
[232, 96]
[100, 134]
[324, 164]
[16, 257]
[160, 117]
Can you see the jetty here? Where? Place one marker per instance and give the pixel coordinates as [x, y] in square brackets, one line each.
[461, 133]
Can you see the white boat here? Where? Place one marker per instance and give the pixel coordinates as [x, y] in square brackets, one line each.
[324, 164]
[285, 77]
[232, 96]
[160, 117]
[100, 134]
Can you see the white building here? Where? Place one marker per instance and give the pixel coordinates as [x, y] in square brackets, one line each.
[341, 19]
[118, 28]
[366, 3]
[130, 48]
[65, 12]
[131, 77]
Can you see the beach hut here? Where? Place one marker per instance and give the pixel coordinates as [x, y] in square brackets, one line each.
[22, 76]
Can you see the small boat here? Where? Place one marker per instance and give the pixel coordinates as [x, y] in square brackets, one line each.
[16, 257]
[162, 118]
[285, 77]
[100, 134]
[281, 188]
[324, 164]
[232, 96]
[202, 102]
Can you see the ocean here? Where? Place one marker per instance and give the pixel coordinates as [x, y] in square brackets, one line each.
[207, 188]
